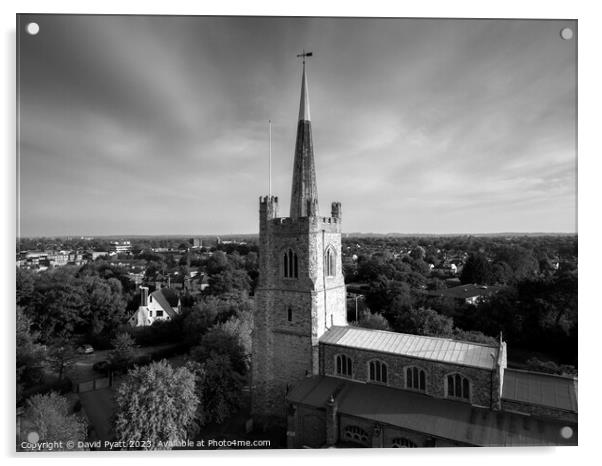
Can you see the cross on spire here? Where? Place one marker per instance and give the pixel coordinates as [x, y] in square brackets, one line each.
[304, 55]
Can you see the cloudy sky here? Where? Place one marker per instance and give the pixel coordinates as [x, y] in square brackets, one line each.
[158, 125]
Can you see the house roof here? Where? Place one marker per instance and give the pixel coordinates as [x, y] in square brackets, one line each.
[540, 389]
[414, 346]
[467, 291]
[160, 298]
[441, 418]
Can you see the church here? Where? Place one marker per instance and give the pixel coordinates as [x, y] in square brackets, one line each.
[336, 385]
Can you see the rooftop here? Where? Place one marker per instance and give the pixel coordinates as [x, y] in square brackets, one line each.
[441, 418]
[540, 389]
[414, 346]
[467, 291]
[163, 301]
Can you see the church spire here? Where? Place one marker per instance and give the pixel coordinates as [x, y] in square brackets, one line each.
[304, 193]
[304, 104]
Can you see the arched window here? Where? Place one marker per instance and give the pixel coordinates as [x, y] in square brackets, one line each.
[290, 264]
[458, 386]
[377, 371]
[401, 442]
[416, 379]
[330, 263]
[290, 314]
[356, 434]
[344, 365]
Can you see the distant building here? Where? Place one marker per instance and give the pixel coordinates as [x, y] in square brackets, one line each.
[119, 247]
[153, 307]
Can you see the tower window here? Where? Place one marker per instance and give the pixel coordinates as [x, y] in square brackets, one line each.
[377, 371]
[458, 386]
[344, 365]
[416, 379]
[290, 264]
[290, 314]
[330, 263]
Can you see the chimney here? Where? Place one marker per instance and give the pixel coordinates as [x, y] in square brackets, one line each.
[143, 296]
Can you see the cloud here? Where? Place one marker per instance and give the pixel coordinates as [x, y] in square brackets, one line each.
[159, 124]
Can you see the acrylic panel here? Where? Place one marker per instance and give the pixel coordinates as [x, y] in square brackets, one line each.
[295, 232]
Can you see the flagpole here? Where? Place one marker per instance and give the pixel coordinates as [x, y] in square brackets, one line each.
[270, 159]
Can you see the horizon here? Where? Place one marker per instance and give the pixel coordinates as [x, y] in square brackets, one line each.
[344, 234]
[160, 123]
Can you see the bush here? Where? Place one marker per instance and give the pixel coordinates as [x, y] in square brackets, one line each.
[550, 367]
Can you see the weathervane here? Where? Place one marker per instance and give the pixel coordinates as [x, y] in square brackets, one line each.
[305, 54]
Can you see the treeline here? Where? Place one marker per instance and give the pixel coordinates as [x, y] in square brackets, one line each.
[536, 308]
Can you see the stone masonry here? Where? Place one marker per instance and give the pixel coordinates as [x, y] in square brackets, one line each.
[484, 384]
[293, 310]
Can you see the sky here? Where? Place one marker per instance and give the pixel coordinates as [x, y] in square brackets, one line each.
[139, 125]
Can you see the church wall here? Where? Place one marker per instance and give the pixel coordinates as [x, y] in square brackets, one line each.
[383, 435]
[538, 410]
[308, 427]
[480, 379]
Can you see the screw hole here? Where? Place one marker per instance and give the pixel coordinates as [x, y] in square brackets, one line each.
[566, 432]
[566, 33]
[32, 28]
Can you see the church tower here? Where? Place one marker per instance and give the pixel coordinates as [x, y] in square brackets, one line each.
[301, 290]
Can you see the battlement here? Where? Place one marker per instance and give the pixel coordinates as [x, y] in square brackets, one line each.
[268, 208]
[284, 225]
[336, 211]
[264, 200]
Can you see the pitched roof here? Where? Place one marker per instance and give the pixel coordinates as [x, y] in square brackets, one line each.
[414, 346]
[163, 302]
[453, 420]
[467, 291]
[541, 389]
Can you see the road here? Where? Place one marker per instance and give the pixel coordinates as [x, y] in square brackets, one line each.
[99, 407]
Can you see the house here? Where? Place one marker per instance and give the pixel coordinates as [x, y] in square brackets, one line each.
[469, 293]
[153, 307]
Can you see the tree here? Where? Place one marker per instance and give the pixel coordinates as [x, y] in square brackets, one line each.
[30, 354]
[196, 322]
[520, 259]
[222, 388]
[155, 403]
[476, 270]
[66, 301]
[25, 286]
[424, 321]
[217, 341]
[52, 420]
[123, 353]
[106, 303]
[240, 327]
[373, 321]
[228, 281]
[217, 263]
[61, 355]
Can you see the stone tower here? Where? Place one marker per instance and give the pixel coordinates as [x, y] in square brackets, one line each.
[301, 291]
